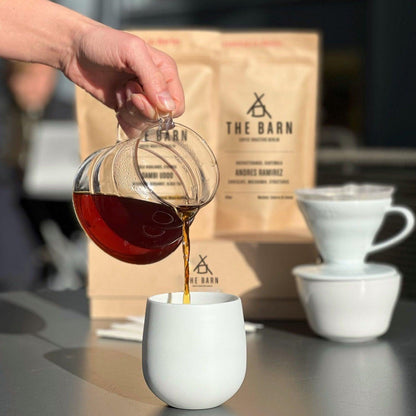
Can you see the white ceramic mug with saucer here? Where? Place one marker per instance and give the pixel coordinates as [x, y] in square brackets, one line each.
[344, 220]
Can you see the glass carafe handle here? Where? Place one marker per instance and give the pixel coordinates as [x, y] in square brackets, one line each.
[165, 121]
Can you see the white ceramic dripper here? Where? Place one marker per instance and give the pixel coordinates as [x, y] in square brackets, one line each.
[344, 220]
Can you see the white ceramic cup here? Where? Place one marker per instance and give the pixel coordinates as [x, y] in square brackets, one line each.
[194, 355]
[345, 220]
[348, 308]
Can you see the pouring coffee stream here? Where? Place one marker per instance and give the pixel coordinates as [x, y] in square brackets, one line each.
[137, 199]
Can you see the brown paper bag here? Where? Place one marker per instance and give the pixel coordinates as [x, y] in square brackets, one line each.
[268, 83]
[260, 273]
[210, 64]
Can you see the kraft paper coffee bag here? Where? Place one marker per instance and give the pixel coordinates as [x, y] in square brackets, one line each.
[253, 98]
[266, 145]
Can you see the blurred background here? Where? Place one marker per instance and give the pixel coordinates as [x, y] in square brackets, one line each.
[366, 122]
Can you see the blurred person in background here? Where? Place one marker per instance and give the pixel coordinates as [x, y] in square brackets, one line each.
[25, 90]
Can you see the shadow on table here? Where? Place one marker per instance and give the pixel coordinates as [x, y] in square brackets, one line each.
[120, 374]
[114, 371]
[370, 375]
[216, 411]
[293, 327]
[19, 320]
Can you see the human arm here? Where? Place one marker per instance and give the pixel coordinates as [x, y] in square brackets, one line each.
[119, 69]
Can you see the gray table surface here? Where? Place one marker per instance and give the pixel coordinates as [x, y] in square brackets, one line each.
[52, 363]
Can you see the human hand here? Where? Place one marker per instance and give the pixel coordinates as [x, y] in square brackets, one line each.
[126, 74]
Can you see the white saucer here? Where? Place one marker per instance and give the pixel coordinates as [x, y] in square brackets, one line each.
[367, 271]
